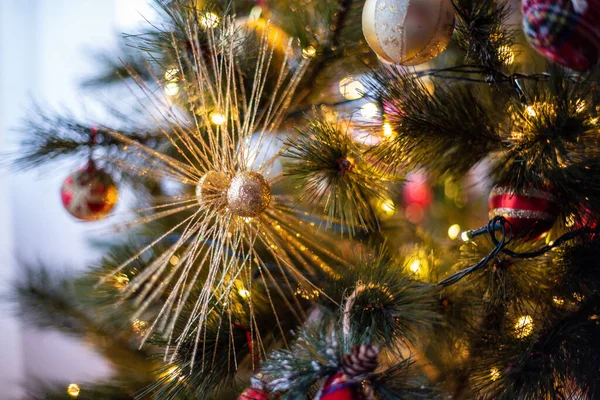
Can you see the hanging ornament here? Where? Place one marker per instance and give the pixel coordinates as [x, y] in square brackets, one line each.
[89, 194]
[531, 213]
[211, 190]
[408, 32]
[249, 194]
[256, 391]
[566, 32]
[339, 387]
[357, 366]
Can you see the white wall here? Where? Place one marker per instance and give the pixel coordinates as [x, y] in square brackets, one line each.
[45, 51]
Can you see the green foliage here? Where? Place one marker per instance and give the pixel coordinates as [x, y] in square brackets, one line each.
[483, 33]
[331, 171]
[447, 131]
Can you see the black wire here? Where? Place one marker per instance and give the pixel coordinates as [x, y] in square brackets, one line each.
[501, 224]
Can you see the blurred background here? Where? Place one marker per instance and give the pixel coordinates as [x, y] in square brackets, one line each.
[47, 48]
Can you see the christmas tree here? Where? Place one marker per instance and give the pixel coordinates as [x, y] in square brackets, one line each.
[302, 172]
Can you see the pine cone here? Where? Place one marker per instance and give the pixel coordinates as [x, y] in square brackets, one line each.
[361, 361]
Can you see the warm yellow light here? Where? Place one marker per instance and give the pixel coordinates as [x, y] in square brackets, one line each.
[388, 207]
[171, 373]
[255, 13]
[73, 390]
[121, 280]
[217, 118]
[139, 327]
[174, 260]
[531, 111]
[524, 327]
[171, 89]
[415, 266]
[351, 88]
[369, 110]
[454, 231]
[172, 75]
[494, 374]
[309, 52]
[388, 131]
[558, 301]
[244, 293]
[580, 105]
[209, 20]
[506, 54]
[465, 236]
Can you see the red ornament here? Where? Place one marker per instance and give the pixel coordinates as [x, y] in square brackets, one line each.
[339, 387]
[89, 194]
[564, 31]
[530, 213]
[254, 394]
[417, 190]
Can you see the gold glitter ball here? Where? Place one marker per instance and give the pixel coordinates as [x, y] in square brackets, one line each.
[211, 190]
[249, 194]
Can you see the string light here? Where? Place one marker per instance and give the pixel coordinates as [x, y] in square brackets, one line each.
[415, 266]
[524, 327]
[369, 110]
[454, 231]
[121, 280]
[217, 118]
[558, 301]
[351, 88]
[171, 89]
[172, 75]
[531, 111]
[209, 20]
[388, 207]
[464, 236]
[174, 260]
[506, 54]
[139, 327]
[580, 105]
[309, 52]
[73, 390]
[388, 131]
[255, 13]
[494, 374]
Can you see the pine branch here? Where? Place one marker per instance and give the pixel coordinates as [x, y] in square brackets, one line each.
[447, 132]
[49, 137]
[483, 33]
[334, 174]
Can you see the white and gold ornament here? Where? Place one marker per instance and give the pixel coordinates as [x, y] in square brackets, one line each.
[408, 32]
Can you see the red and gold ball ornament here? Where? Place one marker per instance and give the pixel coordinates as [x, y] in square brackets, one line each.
[89, 194]
[408, 32]
[339, 387]
[566, 32]
[531, 213]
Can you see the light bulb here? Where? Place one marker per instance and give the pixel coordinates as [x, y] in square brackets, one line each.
[369, 110]
[217, 118]
[73, 390]
[454, 231]
[209, 20]
[351, 88]
[524, 327]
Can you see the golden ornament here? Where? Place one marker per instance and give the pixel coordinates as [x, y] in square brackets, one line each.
[408, 32]
[211, 190]
[249, 194]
